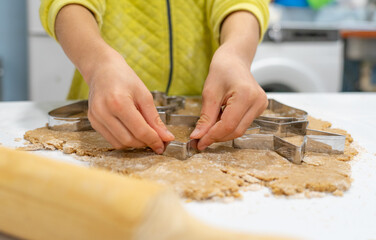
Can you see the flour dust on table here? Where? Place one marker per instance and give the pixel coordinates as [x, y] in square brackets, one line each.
[218, 172]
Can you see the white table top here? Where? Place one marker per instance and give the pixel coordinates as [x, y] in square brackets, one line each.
[352, 216]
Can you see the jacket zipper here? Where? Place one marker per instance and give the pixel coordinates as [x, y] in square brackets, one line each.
[171, 46]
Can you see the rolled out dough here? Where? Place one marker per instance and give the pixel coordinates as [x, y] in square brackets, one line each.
[216, 173]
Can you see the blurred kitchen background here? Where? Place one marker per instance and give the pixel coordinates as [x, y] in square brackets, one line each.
[311, 46]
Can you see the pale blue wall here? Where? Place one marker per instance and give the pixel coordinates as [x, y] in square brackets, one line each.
[13, 49]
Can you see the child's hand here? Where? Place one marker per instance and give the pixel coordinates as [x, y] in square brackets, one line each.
[230, 85]
[120, 106]
[122, 109]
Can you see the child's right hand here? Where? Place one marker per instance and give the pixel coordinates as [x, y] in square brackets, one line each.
[121, 108]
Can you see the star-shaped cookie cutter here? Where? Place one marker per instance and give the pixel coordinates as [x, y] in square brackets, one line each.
[266, 133]
[177, 149]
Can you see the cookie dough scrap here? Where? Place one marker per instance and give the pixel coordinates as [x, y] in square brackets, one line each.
[195, 178]
[86, 143]
[219, 172]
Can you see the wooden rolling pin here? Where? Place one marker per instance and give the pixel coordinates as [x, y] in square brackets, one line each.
[46, 199]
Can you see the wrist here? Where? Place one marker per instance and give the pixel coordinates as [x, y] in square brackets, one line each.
[97, 57]
[240, 35]
[227, 55]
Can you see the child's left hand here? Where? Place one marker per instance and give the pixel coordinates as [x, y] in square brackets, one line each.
[229, 86]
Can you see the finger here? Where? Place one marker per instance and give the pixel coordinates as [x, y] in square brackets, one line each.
[244, 124]
[136, 124]
[103, 116]
[122, 134]
[100, 128]
[236, 107]
[215, 134]
[149, 112]
[254, 111]
[211, 106]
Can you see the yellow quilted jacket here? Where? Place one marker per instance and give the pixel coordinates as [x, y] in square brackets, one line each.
[168, 43]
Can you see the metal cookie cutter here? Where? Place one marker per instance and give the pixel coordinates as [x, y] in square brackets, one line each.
[266, 133]
[283, 112]
[166, 103]
[73, 117]
[289, 122]
[176, 149]
[269, 137]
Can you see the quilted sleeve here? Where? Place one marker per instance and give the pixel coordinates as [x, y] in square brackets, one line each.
[50, 8]
[218, 10]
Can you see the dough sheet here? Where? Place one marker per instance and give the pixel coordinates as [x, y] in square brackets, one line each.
[219, 172]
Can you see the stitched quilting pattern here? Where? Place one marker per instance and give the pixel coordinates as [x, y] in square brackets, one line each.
[139, 31]
[192, 46]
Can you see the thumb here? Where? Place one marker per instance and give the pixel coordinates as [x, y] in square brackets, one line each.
[211, 105]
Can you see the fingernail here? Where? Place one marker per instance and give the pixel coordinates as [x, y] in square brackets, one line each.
[159, 150]
[195, 133]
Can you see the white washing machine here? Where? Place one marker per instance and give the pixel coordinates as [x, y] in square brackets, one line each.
[299, 60]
